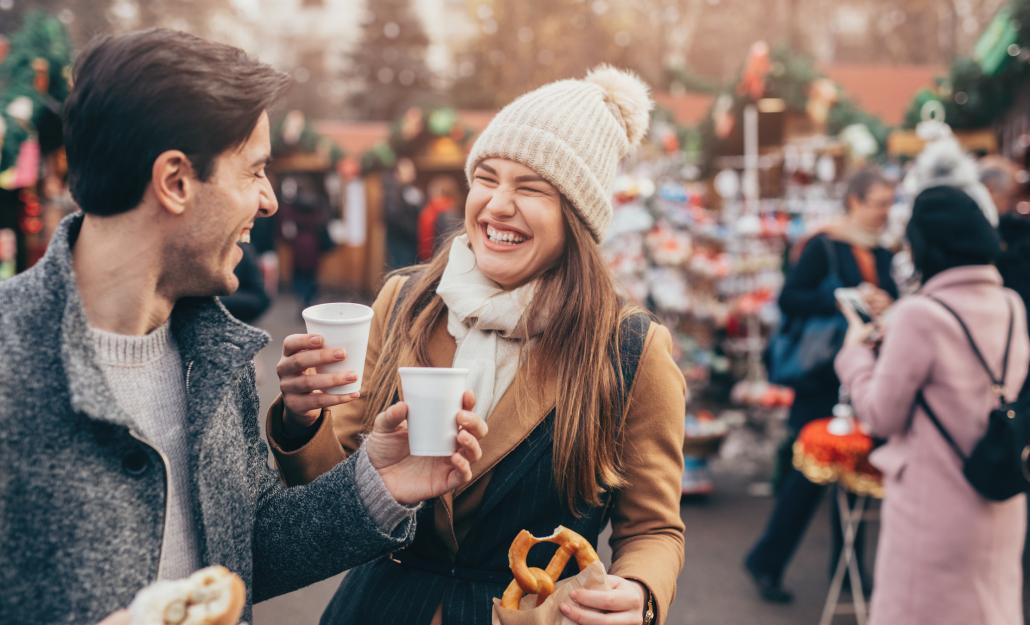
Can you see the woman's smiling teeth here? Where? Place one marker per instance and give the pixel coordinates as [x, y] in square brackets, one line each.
[504, 236]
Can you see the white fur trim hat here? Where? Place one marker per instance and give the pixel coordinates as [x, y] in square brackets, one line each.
[573, 133]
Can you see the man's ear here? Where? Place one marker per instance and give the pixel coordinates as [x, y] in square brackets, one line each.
[173, 181]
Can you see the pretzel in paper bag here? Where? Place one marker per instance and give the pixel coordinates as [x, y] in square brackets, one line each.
[531, 580]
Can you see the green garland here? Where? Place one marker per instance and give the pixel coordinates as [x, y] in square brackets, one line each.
[41, 36]
[974, 98]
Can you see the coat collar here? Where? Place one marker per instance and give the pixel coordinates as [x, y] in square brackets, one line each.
[205, 333]
[962, 276]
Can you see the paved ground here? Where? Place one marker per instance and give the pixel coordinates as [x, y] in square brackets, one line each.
[712, 588]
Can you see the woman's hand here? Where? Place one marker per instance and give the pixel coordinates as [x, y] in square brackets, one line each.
[302, 387]
[411, 479]
[876, 299]
[859, 332]
[622, 604]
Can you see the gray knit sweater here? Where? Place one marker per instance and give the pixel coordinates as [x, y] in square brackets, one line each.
[83, 492]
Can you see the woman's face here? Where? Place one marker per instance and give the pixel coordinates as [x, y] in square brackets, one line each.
[514, 222]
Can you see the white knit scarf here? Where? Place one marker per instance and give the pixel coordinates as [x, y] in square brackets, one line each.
[485, 321]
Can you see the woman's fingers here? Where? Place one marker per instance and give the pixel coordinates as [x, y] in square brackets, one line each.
[308, 359]
[318, 382]
[468, 400]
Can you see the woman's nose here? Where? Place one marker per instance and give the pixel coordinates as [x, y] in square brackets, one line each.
[501, 204]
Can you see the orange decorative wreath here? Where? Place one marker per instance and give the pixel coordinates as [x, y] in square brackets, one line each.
[824, 458]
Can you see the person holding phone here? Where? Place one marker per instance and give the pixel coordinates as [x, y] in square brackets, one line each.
[845, 255]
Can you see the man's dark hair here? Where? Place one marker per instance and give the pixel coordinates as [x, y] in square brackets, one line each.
[144, 93]
[861, 182]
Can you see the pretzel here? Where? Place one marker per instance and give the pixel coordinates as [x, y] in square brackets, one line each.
[531, 580]
[211, 596]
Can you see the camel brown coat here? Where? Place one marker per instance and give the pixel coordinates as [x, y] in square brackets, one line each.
[647, 531]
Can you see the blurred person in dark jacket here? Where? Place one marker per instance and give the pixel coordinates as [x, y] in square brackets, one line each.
[250, 300]
[1001, 177]
[306, 226]
[402, 201]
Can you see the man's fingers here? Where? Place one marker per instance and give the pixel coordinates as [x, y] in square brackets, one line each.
[298, 363]
[468, 400]
[469, 447]
[299, 342]
[461, 472]
[391, 419]
[472, 423]
[318, 382]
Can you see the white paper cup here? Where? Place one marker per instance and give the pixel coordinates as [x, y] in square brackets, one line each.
[434, 400]
[342, 326]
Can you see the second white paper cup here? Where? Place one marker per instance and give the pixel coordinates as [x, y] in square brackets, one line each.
[434, 397]
[342, 326]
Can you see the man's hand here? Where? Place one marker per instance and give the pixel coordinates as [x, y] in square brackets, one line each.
[121, 617]
[302, 387]
[411, 479]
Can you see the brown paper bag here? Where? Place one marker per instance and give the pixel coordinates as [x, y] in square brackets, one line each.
[594, 577]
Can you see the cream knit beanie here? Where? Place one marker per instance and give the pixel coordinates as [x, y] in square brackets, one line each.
[573, 133]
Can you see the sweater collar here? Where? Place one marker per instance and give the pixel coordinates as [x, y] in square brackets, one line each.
[203, 330]
[963, 276]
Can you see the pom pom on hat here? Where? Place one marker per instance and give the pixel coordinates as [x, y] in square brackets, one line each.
[944, 163]
[629, 98]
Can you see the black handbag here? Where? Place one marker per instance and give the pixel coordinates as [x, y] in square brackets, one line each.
[999, 466]
[800, 355]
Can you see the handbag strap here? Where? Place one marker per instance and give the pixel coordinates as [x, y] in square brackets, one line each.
[831, 257]
[997, 382]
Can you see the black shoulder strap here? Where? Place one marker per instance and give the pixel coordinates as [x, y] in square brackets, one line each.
[998, 382]
[831, 256]
[402, 294]
[632, 335]
[921, 400]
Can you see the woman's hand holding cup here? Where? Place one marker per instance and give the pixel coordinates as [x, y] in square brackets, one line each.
[304, 390]
[411, 479]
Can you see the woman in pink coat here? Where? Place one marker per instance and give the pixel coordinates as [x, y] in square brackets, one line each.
[946, 555]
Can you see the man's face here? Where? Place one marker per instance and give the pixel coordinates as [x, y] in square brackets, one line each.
[206, 250]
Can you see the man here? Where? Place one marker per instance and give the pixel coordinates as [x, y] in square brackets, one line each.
[128, 411]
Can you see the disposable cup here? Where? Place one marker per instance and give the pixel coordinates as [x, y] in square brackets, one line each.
[434, 397]
[343, 326]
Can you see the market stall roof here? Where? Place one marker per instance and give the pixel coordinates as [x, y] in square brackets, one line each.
[884, 90]
[688, 109]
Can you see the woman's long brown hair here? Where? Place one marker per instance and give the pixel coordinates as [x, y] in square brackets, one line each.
[579, 296]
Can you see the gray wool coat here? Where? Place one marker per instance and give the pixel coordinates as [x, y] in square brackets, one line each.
[82, 498]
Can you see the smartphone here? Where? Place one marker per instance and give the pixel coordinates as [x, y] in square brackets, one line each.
[852, 299]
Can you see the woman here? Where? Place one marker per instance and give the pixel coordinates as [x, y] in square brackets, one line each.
[846, 254]
[582, 397]
[946, 554]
